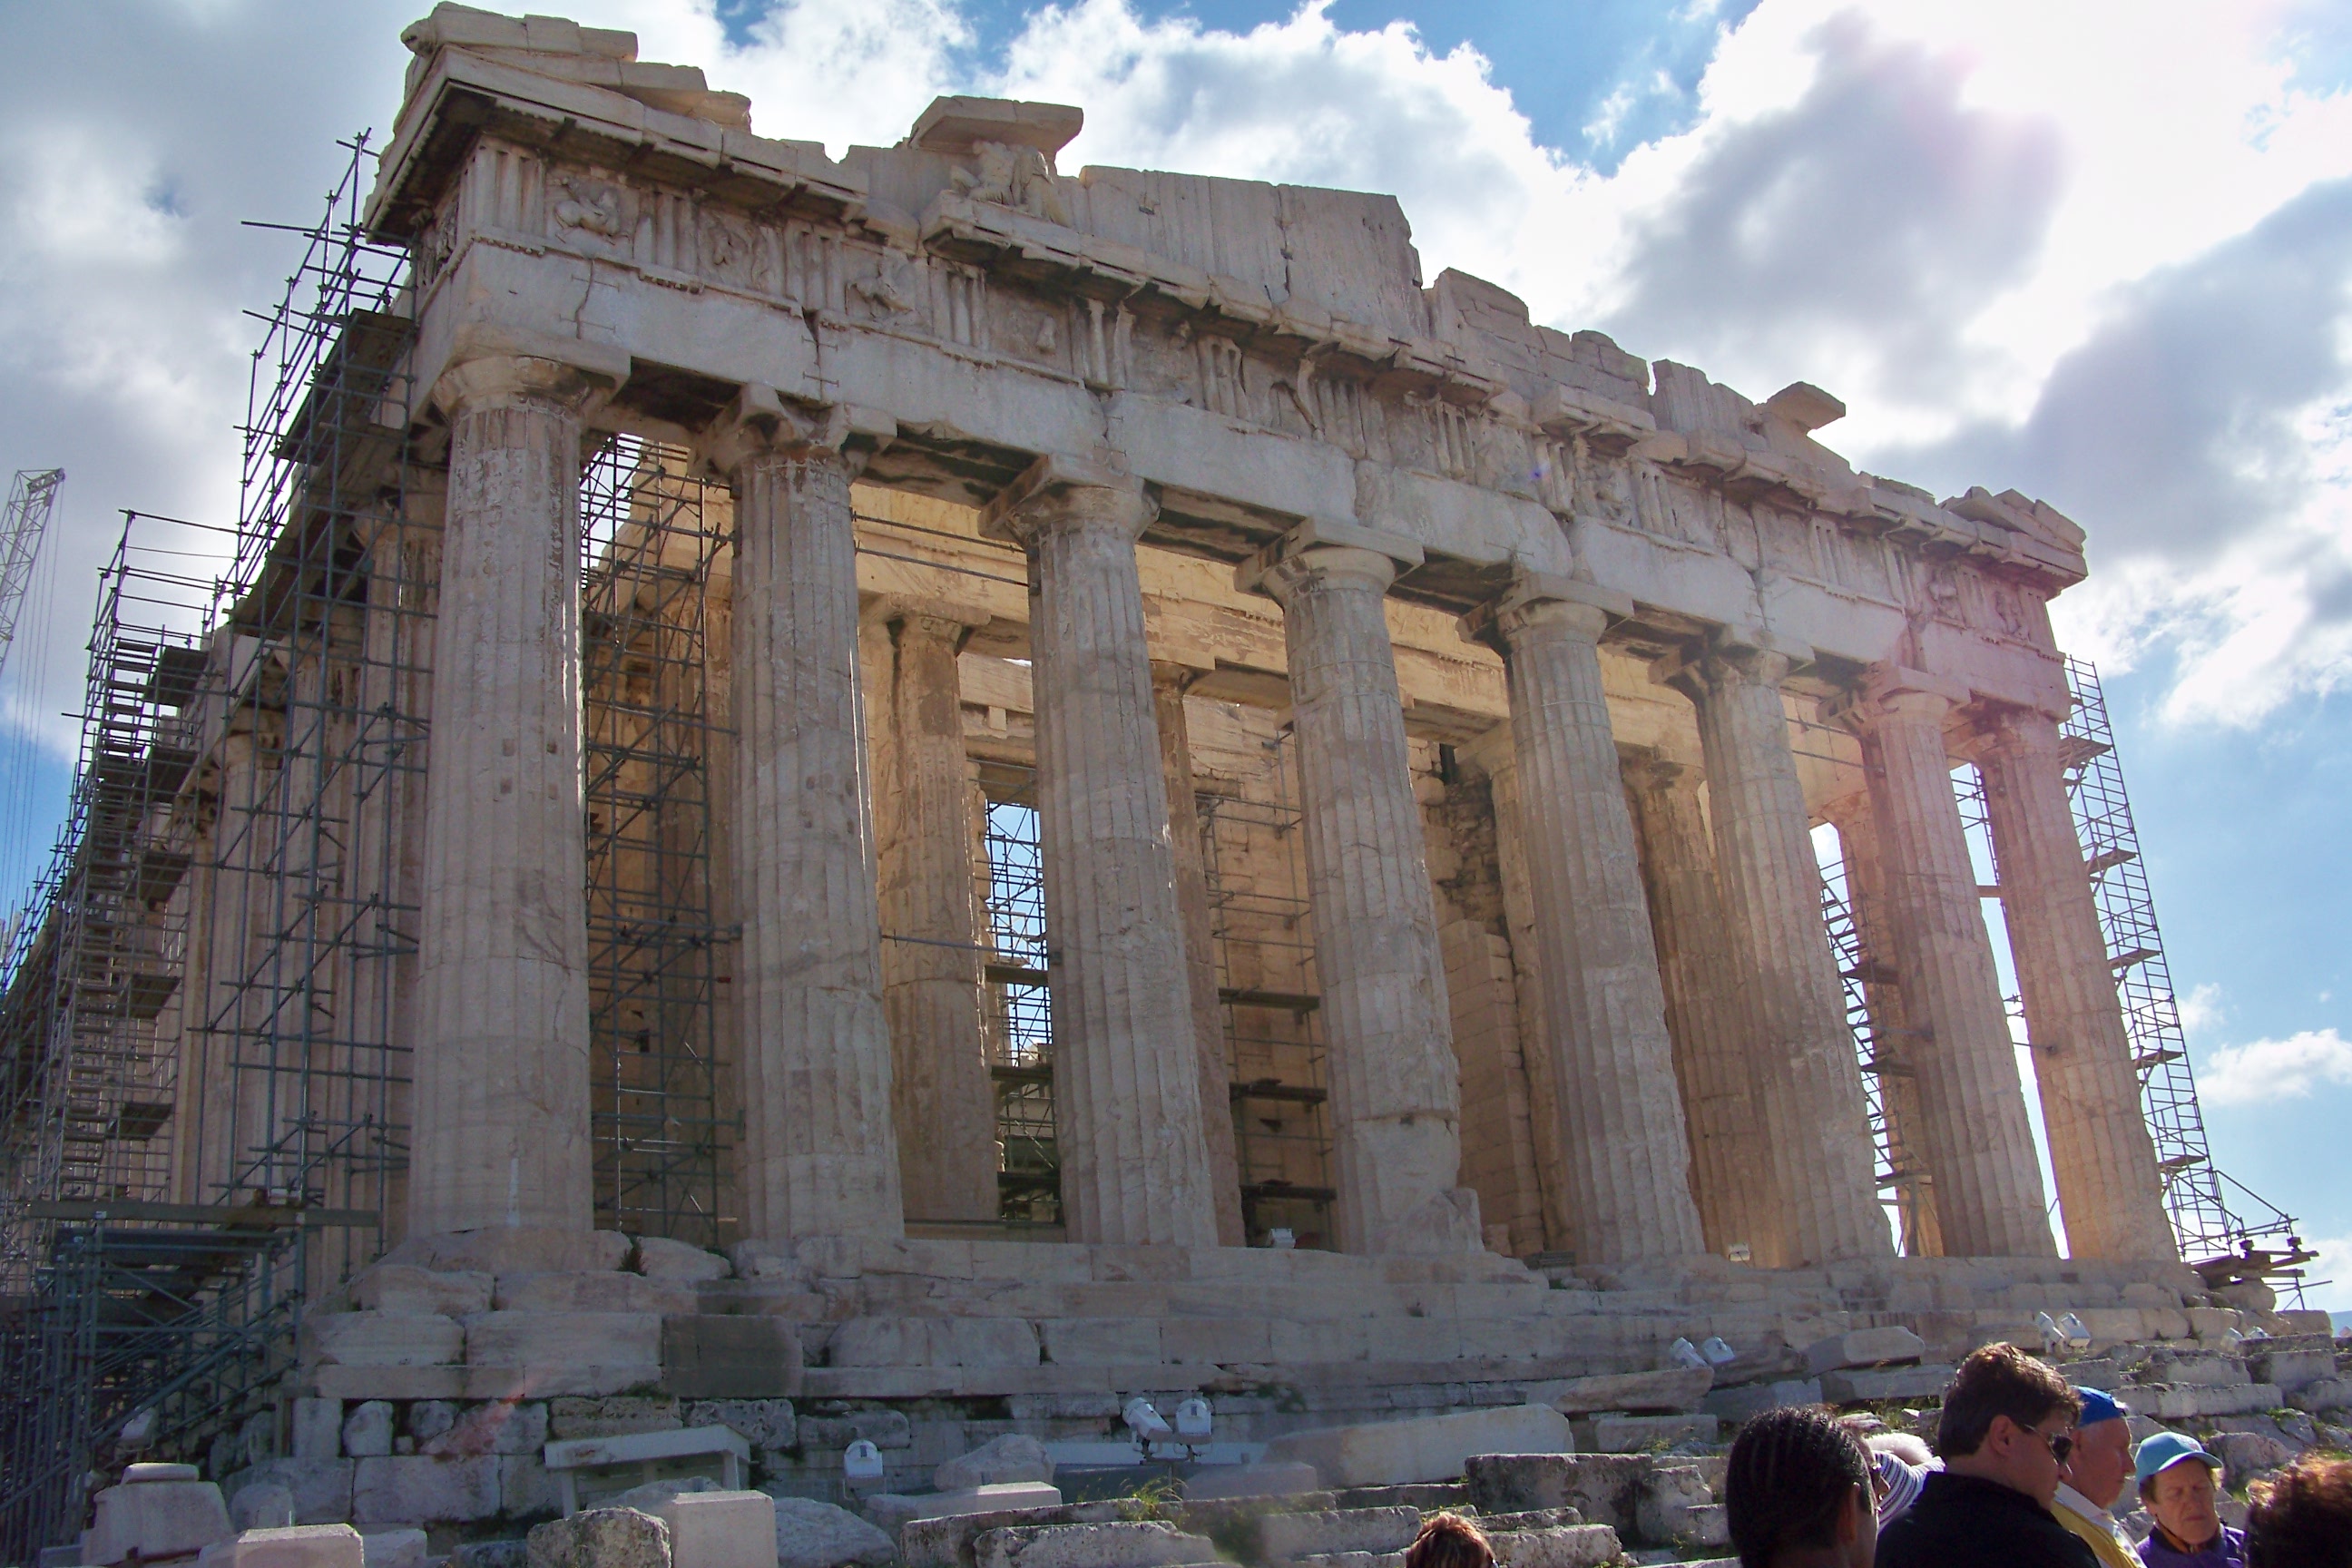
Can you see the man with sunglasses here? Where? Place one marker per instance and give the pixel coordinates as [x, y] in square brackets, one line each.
[2006, 1432]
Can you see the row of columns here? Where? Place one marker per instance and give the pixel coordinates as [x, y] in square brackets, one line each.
[1674, 1013]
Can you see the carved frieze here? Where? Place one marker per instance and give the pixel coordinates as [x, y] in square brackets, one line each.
[993, 267]
[1015, 177]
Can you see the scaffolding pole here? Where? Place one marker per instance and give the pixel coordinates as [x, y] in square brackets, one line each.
[651, 533]
[200, 1066]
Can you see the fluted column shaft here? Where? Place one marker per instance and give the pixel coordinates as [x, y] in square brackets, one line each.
[1972, 1122]
[819, 1156]
[1127, 1074]
[1621, 1125]
[1732, 1161]
[500, 1098]
[1168, 683]
[1549, 1158]
[946, 1111]
[1810, 1084]
[2109, 1189]
[1395, 1088]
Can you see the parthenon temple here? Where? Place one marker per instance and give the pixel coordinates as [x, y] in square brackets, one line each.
[955, 789]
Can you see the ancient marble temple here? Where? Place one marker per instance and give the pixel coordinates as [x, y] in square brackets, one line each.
[1421, 719]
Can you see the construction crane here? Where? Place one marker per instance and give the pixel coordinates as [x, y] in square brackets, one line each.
[30, 501]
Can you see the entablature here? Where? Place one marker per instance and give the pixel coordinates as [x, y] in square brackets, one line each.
[1005, 317]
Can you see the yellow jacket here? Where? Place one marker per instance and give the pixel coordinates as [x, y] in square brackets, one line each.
[2089, 1520]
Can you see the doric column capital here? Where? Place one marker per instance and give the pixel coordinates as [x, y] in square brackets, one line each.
[1893, 693]
[1732, 656]
[490, 365]
[1545, 604]
[1327, 548]
[761, 423]
[1178, 678]
[948, 618]
[1998, 729]
[1092, 492]
[1657, 772]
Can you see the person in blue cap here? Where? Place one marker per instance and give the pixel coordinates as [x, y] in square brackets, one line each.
[2179, 1484]
[2095, 1473]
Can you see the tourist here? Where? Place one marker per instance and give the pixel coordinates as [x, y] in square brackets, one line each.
[2095, 1473]
[2004, 1435]
[2302, 1517]
[2179, 1484]
[1797, 1492]
[1450, 1540]
[1900, 1463]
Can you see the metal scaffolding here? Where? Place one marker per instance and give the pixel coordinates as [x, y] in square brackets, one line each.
[652, 531]
[32, 497]
[203, 1098]
[1020, 1004]
[2247, 1238]
[1866, 976]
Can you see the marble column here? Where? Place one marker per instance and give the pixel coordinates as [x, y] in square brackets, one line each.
[501, 1085]
[1972, 1123]
[1731, 1159]
[2110, 1190]
[1890, 1029]
[818, 1156]
[1809, 1084]
[1127, 1073]
[1622, 1121]
[1494, 752]
[1168, 684]
[1396, 1087]
[945, 1102]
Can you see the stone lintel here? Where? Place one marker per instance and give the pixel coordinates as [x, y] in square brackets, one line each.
[956, 125]
[1804, 405]
[1327, 533]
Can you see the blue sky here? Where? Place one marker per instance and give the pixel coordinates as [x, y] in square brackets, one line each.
[2101, 252]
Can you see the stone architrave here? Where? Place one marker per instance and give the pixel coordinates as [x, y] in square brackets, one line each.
[819, 1156]
[2110, 1190]
[1127, 1075]
[499, 1100]
[1396, 1087]
[1972, 1122]
[1890, 1030]
[1809, 1084]
[1168, 683]
[945, 1105]
[1621, 1120]
[1731, 1158]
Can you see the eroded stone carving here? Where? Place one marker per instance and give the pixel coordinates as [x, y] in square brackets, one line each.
[1015, 177]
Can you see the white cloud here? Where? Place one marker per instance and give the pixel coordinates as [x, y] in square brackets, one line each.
[2333, 1265]
[2201, 1009]
[2264, 1071]
[2027, 246]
